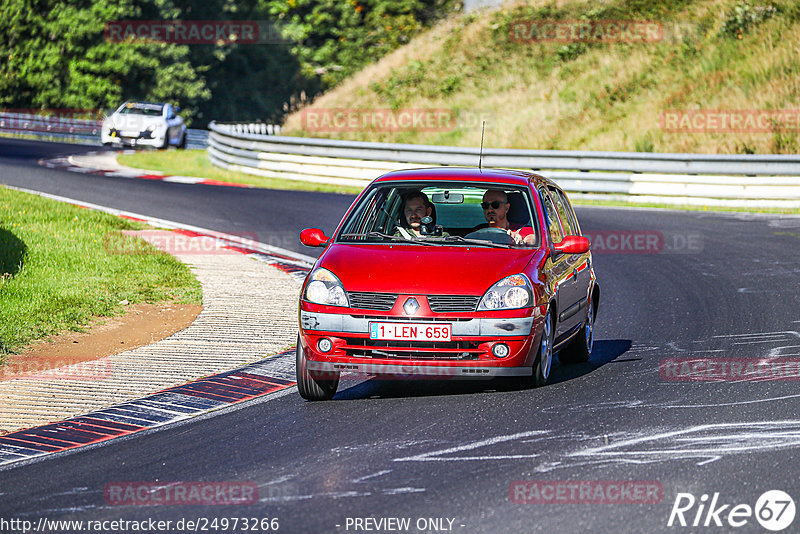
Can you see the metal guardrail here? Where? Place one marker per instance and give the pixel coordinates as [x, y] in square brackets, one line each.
[82, 131]
[723, 180]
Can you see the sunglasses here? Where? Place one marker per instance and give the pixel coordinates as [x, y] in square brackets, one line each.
[494, 204]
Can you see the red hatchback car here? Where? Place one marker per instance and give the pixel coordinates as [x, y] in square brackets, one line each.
[455, 272]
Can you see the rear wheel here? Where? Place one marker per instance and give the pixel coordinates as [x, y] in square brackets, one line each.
[544, 360]
[312, 386]
[580, 348]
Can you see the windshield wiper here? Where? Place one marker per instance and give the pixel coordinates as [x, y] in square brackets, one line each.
[391, 237]
[480, 242]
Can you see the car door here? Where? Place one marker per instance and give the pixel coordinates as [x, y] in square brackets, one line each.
[582, 264]
[173, 124]
[561, 267]
[573, 293]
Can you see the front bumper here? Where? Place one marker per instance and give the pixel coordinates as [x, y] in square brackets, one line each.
[467, 355]
[144, 138]
[423, 370]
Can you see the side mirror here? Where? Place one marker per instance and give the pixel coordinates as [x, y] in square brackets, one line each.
[313, 237]
[573, 244]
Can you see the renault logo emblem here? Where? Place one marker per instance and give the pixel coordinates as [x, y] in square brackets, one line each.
[411, 306]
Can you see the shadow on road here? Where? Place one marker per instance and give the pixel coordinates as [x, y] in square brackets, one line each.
[605, 351]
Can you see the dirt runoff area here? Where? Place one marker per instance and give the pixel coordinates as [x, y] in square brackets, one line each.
[141, 325]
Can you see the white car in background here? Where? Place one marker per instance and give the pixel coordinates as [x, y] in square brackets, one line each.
[144, 124]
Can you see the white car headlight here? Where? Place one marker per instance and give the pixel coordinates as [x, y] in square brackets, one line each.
[324, 288]
[509, 293]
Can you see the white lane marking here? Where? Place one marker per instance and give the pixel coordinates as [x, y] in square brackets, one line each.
[237, 240]
[706, 443]
[435, 456]
[279, 480]
[373, 475]
[183, 179]
[737, 403]
[757, 335]
[402, 491]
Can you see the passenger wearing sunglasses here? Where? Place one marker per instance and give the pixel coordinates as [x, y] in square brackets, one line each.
[495, 208]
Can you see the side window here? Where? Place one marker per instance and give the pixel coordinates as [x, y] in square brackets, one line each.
[552, 218]
[563, 212]
[363, 219]
[576, 229]
[390, 212]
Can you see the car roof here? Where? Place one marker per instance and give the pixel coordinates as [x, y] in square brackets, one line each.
[468, 174]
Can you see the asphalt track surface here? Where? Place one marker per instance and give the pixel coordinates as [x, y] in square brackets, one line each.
[722, 286]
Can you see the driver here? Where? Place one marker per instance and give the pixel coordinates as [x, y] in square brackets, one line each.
[495, 208]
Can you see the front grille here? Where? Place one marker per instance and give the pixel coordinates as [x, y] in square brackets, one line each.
[411, 350]
[372, 301]
[438, 303]
[453, 303]
[411, 318]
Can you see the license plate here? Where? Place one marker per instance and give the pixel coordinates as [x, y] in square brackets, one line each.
[410, 331]
[130, 133]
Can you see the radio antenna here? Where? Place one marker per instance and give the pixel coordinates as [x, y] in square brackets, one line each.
[480, 157]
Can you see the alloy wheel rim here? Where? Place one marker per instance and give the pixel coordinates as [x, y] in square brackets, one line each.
[547, 349]
[590, 327]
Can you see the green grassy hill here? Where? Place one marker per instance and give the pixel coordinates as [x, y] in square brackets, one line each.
[713, 54]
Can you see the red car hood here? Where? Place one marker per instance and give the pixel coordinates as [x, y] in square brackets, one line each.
[415, 269]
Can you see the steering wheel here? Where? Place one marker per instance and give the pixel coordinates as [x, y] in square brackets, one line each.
[495, 235]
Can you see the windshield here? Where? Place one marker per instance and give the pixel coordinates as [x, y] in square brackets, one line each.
[150, 110]
[452, 214]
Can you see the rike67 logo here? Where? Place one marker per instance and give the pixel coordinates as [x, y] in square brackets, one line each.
[774, 510]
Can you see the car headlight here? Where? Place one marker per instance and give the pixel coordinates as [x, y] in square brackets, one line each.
[509, 293]
[324, 288]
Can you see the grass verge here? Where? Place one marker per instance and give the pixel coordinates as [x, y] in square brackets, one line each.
[195, 163]
[56, 274]
[610, 95]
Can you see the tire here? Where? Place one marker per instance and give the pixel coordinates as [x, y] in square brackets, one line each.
[544, 360]
[310, 387]
[579, 350]
[182, 144]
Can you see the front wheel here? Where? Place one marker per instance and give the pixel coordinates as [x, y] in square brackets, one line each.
[544, 360]
[311, 386]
